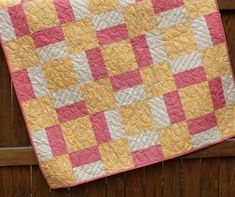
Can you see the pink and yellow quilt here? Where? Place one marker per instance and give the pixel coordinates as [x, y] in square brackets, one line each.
[107, 86]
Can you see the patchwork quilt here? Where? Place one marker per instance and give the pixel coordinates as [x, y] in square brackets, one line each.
[107, 86]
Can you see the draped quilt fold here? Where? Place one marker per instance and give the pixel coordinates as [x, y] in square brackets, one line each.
[107, 86]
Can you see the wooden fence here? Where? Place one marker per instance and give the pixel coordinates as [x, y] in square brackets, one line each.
[209, 172]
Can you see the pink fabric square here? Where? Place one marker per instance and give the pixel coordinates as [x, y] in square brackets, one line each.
[141, 50]
[148, 155]
[64, 11]
[72, 112]
[174, 107]
[48, 36]
[96, 62]
[56, 140]
[23, 85]
[126, 80]
[202, 123]
[18, 20]
[164, 5]
[215, 27]
[217, 93]
[100, 128]
[112, 34]
[85, 156]
[190, 77]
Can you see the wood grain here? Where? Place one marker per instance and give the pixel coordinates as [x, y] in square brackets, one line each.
[172, 178]
[154, 180]
[135, 182]
[191, 178]
[209, 177]
[116, 185]
[227, 177]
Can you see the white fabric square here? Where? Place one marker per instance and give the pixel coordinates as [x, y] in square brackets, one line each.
[126, 2]
[67, 97]
[229, 89]
[41, 144]
[201, 32]
[89, 171]
[143, 140]
[52, 51]
[156, 46]
[82, 68]
[38, 81]
[114, 123]
[172, 17]
[108, 19]
[6, 29]
[186, 62]
[80, 9]
[159, 112]
[205, 138]
[131, 95]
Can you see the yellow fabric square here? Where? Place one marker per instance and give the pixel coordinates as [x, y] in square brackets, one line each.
[137, 118]
[59, 171]
[158, 79]
[119, 57]
[40, 113]
[196, 8]
[98, 96]
[175, 139]
[78, 134]
[178, 40]
[40, 14]
[99, 6]
[215, 61]
[140, 18]
[21, 53]
[196, 100]
[80, 35]
[226, 120]
[60, 74]
[6, 3]
[116, 155]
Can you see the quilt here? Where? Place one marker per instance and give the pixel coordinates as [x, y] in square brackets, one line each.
[106, 86]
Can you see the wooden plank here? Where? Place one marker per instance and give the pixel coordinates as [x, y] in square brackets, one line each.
[17, 156]
[60, 193]
[39, 185]
[191, 178]
[227, 177]
[19, 132]
[228, 19]
[223, 149]
[226, 4]
[172, 178]
[6, 182]
[154, 180]
[6, 124]
[209, 177]
[81, 191]
[116, 185]
[135, 183]
[13, 156]
[97, 188]
[21, 184]
[18, 178]
[5, 103]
